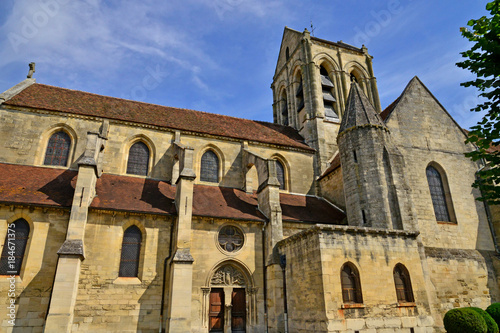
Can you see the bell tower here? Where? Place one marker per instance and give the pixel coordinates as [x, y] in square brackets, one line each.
[311, 84]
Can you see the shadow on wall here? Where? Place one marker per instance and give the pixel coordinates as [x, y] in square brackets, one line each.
[35, 297]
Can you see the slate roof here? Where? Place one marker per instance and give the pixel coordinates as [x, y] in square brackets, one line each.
[44, 97]
[44, 186]
[359, 110]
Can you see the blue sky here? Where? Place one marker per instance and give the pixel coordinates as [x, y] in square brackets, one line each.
[219, 55]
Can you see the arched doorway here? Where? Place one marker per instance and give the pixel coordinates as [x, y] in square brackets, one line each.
[229, 300]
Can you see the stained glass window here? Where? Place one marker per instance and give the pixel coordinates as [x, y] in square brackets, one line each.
[14, 247]
[351, 288]
[230, 238]
[280, 172]
[403, 284]
[58, 149]
[131, 250]
[138, 159]
[437, 194]
[209, 167]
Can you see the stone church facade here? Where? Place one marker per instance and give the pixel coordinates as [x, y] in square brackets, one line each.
[122, 216]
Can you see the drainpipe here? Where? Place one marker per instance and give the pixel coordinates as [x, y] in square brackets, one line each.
[285, 302]
[165, 277]
[264, 273]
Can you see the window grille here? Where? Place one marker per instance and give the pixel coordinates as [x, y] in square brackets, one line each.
[230, 238]
[437, 194]
[131, 250]
[138, 159]
[280, 172]
[351, 288]
[14, 246]
[403, 284]
[209, 167]
[58, 149]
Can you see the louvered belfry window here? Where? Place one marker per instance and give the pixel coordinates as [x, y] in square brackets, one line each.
[131, 250]
[351, 287]
[209, 167]
[403, 284]
[138, 159]
[280, 172]
[14, 247]
[58, 149]
[438, 194]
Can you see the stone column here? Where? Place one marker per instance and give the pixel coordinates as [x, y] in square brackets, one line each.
[71, 253]
[181, 265]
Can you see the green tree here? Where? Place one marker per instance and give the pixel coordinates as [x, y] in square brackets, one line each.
[483, 60]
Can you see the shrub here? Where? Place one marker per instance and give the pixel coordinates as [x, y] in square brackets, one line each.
[490, 323]
[464, 320]
[494, 311]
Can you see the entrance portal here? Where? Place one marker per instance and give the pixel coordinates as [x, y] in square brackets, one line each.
[236, 311]
[229, 300]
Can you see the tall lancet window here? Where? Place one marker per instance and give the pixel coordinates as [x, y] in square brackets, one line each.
[441, 199]
[329, 101]
[284, 108]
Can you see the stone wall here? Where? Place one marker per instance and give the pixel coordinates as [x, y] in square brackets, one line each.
[24, 137]
[33, 286]
[314, 261]
[462, 278]
[425, 133]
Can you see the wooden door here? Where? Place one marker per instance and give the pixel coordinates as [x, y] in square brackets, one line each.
[216, 310]
[238, 311]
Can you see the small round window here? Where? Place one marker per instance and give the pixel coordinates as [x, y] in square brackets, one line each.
[230, 238]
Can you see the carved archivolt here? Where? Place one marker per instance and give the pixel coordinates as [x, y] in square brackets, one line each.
[228, 276]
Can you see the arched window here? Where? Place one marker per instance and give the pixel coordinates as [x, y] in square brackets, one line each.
[138, 159]
[58, 149]
[403, 284]
[438, 194]
[299, 94]
[284, 108]
[209, 167]
[131, 250]
[287, 53]
[329, 102]
[351, 287]
[14, 247]
[280, 173]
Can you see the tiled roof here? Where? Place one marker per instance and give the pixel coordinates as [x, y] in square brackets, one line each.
[40, 96]
[387, 111]
[43, 186]
[333, 166]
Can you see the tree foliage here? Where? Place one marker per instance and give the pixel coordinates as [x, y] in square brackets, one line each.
[483, 60]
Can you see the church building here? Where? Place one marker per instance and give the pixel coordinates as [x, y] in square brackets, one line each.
[340, 216]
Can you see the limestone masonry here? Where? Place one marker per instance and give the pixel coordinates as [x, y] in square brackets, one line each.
[121, 216]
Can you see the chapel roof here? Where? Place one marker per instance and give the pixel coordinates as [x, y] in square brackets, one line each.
[51, 187]
[45, 97]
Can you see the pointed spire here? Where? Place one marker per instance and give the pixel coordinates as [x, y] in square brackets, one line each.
[359, 111]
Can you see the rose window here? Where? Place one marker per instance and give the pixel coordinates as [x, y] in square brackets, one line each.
[230, 238]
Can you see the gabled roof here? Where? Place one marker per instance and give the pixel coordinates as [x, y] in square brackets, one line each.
[359, 111]
[44, 97]
[388, 111]
[44, 186]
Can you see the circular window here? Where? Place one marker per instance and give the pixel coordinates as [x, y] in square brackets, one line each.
[230, 238]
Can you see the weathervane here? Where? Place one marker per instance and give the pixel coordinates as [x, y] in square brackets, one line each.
[32, 70]
[312, 29]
